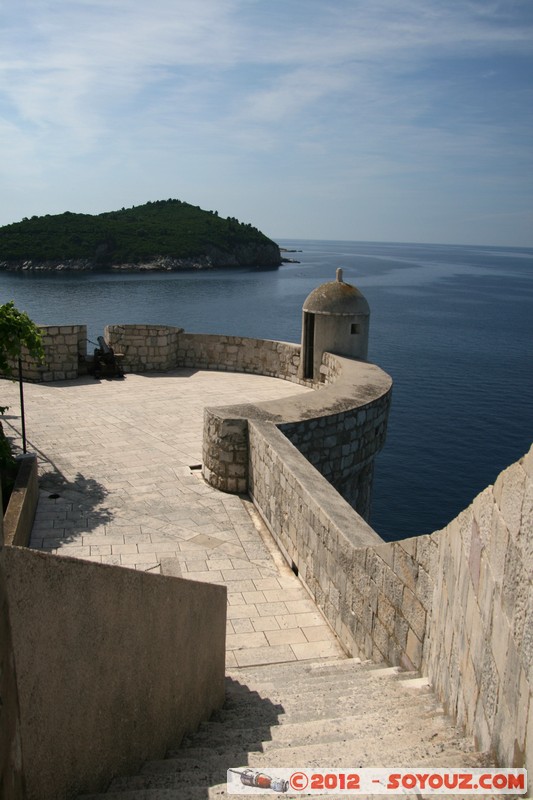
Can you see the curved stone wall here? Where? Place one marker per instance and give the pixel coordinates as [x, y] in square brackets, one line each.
[339, 428]
[144, 347]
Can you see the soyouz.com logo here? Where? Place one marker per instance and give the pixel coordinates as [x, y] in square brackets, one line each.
[246, 780]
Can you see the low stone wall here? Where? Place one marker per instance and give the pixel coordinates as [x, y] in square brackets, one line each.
[65, 347]
[162, 347]
[113, 666]
[343, 445]
[240, 354]
[339, 428]
[20, 512]
[144, 348]
[319, 534]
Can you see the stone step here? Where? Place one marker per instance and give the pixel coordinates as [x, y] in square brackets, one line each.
[289, 673]
[239, 684]
[357, 744]
[405, 750]
[219, 738]
[204, 793]
[328, 714]
[313, 703]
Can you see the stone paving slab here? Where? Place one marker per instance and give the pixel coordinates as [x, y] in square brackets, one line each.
[120, 484]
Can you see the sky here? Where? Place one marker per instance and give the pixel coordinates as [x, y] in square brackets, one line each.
[374, 120]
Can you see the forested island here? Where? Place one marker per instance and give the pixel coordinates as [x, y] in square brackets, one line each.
[161, 235]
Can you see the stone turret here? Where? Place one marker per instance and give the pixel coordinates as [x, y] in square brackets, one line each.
[335, 319]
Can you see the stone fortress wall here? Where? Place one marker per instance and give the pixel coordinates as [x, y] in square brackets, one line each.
[457, 605]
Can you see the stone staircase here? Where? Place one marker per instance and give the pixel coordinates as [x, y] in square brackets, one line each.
[337, 713]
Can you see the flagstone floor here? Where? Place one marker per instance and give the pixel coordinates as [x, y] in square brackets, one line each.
[120, 484]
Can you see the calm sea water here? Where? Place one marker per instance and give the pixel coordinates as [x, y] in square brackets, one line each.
[452, 325]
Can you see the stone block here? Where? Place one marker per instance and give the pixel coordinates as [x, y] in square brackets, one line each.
[386, 612]
[510, 581]
[375, 567]
[414, 613]
[413, 650]
[474, 560]
[424, 589]
[508, 491]
[498, 545]
[520, 711]
[386, 553]
[500, 633]
[409, 545]
[470, 688]
[462, 526]
[393, 588]
[483, 508]
[381, 637]
[503, 734]
[482, 734]
[405, 567]
[401, 629]
[489, 685]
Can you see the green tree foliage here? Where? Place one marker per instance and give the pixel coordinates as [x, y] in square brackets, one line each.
[17, 331]
[162, 228]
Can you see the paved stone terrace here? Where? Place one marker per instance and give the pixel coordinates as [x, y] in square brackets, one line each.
[118, 485]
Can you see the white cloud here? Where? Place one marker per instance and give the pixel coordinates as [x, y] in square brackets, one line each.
[348, 88]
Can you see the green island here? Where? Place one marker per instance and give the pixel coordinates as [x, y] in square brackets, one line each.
[160, 235]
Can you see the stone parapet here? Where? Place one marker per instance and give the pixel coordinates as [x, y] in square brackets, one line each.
[240, 354]
[339, 428]
[225, 452]
[64, 348]
[144, 348]
[319, 534]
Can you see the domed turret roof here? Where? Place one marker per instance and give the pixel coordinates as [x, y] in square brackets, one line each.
[337, 297]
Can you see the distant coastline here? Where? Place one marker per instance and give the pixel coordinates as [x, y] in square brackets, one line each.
[160, 236]
[256, 259]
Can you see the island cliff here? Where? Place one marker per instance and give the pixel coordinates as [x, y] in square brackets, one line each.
[164, 235]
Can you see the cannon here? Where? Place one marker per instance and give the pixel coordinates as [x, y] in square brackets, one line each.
[106, 362]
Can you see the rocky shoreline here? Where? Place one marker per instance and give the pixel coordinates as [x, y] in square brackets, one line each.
[262, 258]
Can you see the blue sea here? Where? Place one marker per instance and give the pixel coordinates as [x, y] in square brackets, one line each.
[453, 326]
